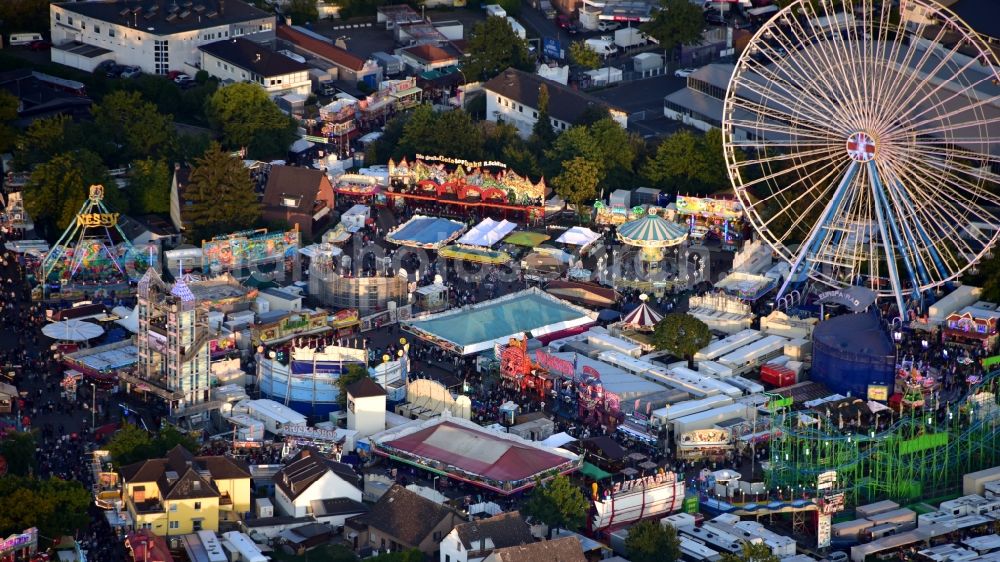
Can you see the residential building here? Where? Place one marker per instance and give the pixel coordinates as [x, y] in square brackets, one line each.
[699, 104]
[348, 66]
[183, 494]
[512, 97]
[366, 407]
[422, 58]
[475, 540]
[243, 60]
[154, 35]
[566, 549]
[279, 300]
[402, 520]
[298, 196]
[311, 477]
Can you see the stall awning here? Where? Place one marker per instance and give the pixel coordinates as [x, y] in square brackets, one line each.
[527, 239]
[594, 472]
[476, 255]
[407, 92]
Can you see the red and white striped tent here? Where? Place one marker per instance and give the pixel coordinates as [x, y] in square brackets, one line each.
[643, 318]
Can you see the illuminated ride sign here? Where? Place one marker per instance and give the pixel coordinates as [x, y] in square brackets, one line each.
[27, 539]
[95, 220]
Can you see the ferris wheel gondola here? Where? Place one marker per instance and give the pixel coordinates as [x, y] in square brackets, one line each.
[863, 139]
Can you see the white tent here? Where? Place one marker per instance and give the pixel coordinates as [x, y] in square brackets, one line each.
[557, 440]
[300, 145]
[487, 233]
[128, 318]
[578, 236]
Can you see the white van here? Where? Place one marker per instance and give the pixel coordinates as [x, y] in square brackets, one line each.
[23, 38]
[602, 47]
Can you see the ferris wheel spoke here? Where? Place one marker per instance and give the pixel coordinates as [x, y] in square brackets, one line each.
[784, 108]
[789, 135]
[943, 217]
[949, 161]
[784, 157]
[909, 103]
[952, 172]
[815, 191]
[842, 54]
[900, 87]
[798, 99]
[919, 216]
[914, 235]
[939, 123]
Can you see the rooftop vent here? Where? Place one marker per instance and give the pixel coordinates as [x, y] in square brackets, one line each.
[185, 14]
[199, 8]
[211, 14]
[137, 9]
[171, 18]
[125, 12]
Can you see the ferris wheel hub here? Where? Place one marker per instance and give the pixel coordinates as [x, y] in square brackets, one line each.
[861, 147]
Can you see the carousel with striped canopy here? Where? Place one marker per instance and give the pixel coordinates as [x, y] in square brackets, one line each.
[643, 318]
[652, 233]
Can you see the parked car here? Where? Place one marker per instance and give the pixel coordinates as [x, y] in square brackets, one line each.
[173, 74]
[115, 71]
[40, 45]
[183, 79]
[563, 21]
[104, 66]
[608, 25]
[684, 72]
[131, 71]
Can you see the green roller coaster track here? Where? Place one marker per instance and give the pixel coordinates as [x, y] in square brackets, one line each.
[923, 454]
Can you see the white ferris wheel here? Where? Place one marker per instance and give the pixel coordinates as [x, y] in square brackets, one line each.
[858, 139]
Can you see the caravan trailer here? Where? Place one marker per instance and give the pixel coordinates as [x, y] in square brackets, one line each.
[664, 416]
[728, 344]
[748, 358]
[683, 375]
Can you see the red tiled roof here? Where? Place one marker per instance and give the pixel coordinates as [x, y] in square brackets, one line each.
[321, 49]
[429, 53]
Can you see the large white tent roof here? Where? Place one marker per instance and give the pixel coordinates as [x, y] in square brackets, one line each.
[487, 233]
[578, 236]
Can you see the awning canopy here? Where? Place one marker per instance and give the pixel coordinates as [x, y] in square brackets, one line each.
[594, 472]
[578, 236]
[476, 255]
[72, 330]
[527, 239]
[487, 233]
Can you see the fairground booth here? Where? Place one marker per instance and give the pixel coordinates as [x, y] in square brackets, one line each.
[459, 188]
[711, 217]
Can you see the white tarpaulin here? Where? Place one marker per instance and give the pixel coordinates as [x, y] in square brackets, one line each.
[578, 236]
[557, 440]
[487, 233]
[128, 318]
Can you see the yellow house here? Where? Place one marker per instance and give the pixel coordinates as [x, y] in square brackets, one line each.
[183, 493]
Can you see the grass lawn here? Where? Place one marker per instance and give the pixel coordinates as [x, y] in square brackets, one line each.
[328, 553]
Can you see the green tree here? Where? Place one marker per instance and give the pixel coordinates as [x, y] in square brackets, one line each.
[682, 335]
[246, 117]
[494, 47]
[751, 553]
[129, 445]
[558, 503]
[149, 185]
[649, 541]
[542, 133]
[132, 127]
[43, 139]
[676, 23]
[55, 506]
[583, 55]
[418, 127]
[8, 114]
[170, 437]
[220, 194]
[354, 374]
[457, 136]
[578, 181]
[687, 162]
[24, 15]
[58, 188]
[603, 143]
[302, 11]
[18, 448]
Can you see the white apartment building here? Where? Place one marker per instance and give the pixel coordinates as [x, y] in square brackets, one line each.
[512, 97]
[158, 36]
[243, 60]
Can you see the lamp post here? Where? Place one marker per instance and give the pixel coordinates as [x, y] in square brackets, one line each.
[435, 482]
[93, 406]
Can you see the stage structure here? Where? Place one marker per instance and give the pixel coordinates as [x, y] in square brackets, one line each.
[921, 454]
[93, 257]
[879, 170]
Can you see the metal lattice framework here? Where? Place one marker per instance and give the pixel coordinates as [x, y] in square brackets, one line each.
[922, 454]
[858, 138]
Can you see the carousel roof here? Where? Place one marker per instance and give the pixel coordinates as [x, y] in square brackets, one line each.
[643, 317]
[652, 231]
